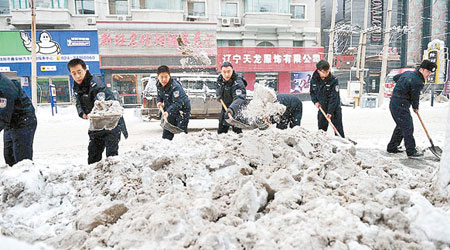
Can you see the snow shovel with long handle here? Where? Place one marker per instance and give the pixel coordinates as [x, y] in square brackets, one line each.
[166, 125]
[334, 128]
[232, 121]
[437, 151]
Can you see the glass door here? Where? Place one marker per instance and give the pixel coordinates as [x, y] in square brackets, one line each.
[62, 87]
[43, 93]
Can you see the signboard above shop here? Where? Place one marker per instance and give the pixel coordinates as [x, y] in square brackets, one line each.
[270, 59]
[155, 38]
[54, 49]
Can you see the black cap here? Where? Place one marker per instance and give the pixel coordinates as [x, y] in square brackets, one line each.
[427, 64]
[226, 64]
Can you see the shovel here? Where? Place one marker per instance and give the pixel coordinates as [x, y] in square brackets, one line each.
[437, 151]
[334, 128]
[232, 121]
[167, 126]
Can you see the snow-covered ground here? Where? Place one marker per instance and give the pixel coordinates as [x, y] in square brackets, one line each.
[271, 189]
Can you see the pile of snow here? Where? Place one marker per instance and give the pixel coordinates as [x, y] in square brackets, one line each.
[271, 189]
[106, 108]
[444, 170]
[105, 115]
[263, 105]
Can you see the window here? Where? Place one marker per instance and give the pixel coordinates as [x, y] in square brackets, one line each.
[118, 7]
[164, 4]
[265, 44]
[277, 6]
[230, 9]
[4, 7]
[84, 7]
[229, 43]
[196, 8]
[49, 4]
[298, 43]
[298, 11]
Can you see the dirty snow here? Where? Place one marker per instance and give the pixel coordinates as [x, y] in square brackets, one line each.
[105, 115]
[263, 105]
[274, 189]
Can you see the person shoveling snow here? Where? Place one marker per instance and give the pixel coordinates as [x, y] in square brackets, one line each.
[173, 103]
[106, 119]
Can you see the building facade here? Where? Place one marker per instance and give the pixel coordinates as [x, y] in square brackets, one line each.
[134, 37]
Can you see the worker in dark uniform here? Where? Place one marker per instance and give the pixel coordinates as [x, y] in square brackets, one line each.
[325, 94]
[18, 120]
[174, 101]
[231, 89]
[293, 114]
[406, 94]
[87, 89]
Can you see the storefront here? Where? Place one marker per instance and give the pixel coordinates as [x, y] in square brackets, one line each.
[55, 48]
[287, 70]
[131, 51]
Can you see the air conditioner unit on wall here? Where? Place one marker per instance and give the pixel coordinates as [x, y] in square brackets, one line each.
[237, 21]
[91, 21]
[226, 21]
[122, 18]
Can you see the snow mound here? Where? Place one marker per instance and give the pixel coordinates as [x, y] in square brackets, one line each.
[263, 105]
[271, 189]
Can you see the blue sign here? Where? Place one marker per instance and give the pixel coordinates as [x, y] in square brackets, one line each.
[54, 49]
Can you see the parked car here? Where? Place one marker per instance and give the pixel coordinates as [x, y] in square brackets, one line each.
[390, 84]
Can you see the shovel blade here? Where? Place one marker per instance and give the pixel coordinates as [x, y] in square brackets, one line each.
[171, 128]
[437, 151]
[237, 123]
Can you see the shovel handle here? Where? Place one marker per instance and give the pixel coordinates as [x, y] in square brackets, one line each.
[424, 128]
[223, 104]
[329, 121]
[162, 112]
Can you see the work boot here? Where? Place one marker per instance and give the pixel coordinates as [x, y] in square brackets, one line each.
[416, 154]
[395, 150]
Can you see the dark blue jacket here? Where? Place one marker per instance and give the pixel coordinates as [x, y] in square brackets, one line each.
[291, 102]
[326, 92]
[88, 92]
[232, 92]
[408, 86]
[16, 109]
[173, 97]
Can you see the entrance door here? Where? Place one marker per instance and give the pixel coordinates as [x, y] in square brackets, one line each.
[43, 94]
[62, 87]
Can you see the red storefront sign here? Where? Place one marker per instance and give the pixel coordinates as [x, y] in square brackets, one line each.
[270, 59]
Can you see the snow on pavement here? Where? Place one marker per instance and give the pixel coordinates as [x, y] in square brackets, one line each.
[292, 189]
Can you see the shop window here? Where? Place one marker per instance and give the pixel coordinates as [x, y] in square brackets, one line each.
[229, 43]
[47, 4]
[298, 44]
[268, 79]
[230, 9]
[196, 8]
[4, 7]
[85, 7]
[265, 44]
[127, 87]
[298, 11]
[277, 6]
[118, 7]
